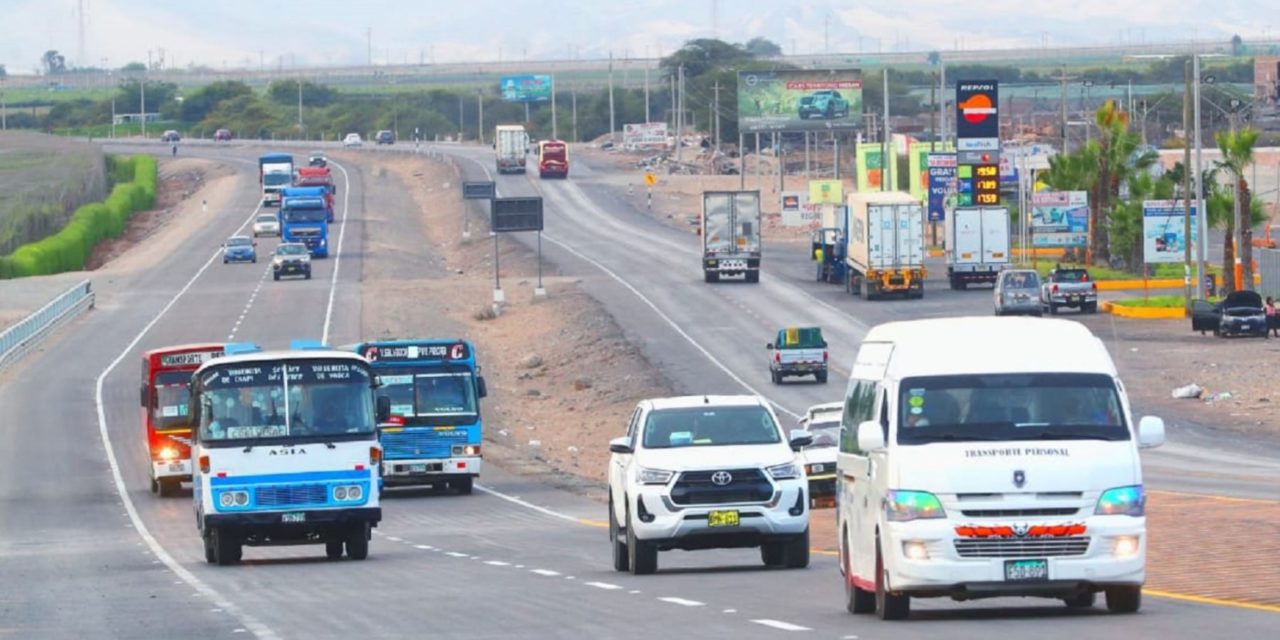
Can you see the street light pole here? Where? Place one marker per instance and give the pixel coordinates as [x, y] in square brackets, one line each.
[1201, 228]
[142, 90]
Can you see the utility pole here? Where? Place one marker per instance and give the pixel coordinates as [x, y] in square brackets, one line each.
[646, 91]
[142, 93]
[1063, 78]
[480, 103]
[555, 126]
[716, 88]
[887, 159]
[299, 106]
[679, 115]
[461, 127]
[574, 96]
[612, 124]
[942, 102]
[1201, 227]
[1186, 192]
[826, 33]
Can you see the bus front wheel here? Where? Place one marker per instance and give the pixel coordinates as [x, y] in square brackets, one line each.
[358, 542]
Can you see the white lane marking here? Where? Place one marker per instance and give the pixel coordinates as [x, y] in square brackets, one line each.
[497, 563]
[528, 505]
[337, 260]
[683, 602]
[393, 538]
[633, 592]
[672, 323]
[603, 585]
[455, 554]
[730, 611]
[423, 547]
[545, 572]
[519, 566]
[260, 630]
[778, 624]
[249, 305]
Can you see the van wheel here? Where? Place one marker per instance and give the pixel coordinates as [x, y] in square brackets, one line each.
[855, 600]
[358, 542]
[888, 605]
[795, 552]
[1081, 600]
[773, 553]
[333, 548]
[1124, 599]
[641, 554]
[620, 560]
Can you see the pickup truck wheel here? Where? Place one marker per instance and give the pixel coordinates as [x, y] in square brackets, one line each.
[168, 488]
[795, 552]
[641, 555]
[1124, 599]
[1092, 307]
[962, 285]
[776, 377]
[618, 541]
[358, 542]
[276, 275]
[1081, 600]
[773, 554]
[753, 276]
[711, 276]
[821, 376]
[1053, 309]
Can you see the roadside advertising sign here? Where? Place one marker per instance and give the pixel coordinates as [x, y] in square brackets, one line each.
[978, 121]
[1060, 219]
[798, 210]
[942, 182]
[799, 100]
[918, 164]
[644, 134]
[526, 88]
[870, 166]
[1163, 226]
[826, 191]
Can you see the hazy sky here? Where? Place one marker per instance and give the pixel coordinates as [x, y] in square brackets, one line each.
[239, 33]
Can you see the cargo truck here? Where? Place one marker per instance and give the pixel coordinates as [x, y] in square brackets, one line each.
[275, 172]
[885, 245]
[511, 146]
[977, 245]
[730, 234]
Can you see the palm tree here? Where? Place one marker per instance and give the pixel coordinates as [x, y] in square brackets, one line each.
[1116, 160]
[1237, 155]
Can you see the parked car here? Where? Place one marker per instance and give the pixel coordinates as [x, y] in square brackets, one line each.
[317, 159]
[385, 137]
[1069, 287]
[1240, 313]
[266, 224]
[822, 421]
[798, 351]
[170, 136]
[1017, 292]
[239, 249]
[223, 135]
[352, 140]
[827, 103]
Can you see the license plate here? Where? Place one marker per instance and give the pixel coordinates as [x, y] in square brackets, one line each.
[175, 467]
[722, 519]
[1026, 570]
[1244, 326]
[293, 516]
[417, 468]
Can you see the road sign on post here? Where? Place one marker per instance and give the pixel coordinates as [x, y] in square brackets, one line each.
[478, 191]
[516, 214]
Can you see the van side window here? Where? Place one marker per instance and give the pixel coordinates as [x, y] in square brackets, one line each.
[859, 406]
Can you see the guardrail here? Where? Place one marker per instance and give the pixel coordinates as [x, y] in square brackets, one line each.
[21, 338]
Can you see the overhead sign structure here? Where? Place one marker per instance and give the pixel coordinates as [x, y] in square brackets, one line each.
[645, 134]
[978, 121]
[799, 100]
[1163, 227]
[1060, 219]
[528, 88]
[516, 214]
[942, 182]
[478, 191]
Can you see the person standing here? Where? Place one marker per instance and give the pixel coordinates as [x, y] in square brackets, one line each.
[1273, 321]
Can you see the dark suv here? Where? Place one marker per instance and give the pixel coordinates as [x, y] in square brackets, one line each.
[385, 137]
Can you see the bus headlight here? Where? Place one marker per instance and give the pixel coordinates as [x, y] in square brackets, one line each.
[226, 499]
[340, 493]
[1122, 501]
[354, 493]
[242, 498]
[905, 506]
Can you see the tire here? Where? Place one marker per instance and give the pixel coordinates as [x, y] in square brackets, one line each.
[276, 275]
[795, 552]
[888, 606]
[864, 289]
[776, 377]
[711, 276]
[821, 377]
[1081, 601]
[357, 542]
[753, 276]
[209, 555]
[168, 488]
[962, 285]
[308, 276]
[255, 260]
[333, 549]
[155, 486]
[463, 485]
[224, 261]
[641, 555]
[1053, 309]
[226, 547]
[1091, 307]
[617, 540]
[1124, 599]
[773, 554]
[855, 600]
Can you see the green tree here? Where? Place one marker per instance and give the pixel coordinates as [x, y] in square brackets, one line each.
[203, 101]
[704, 55]
[1073, 171]
[53, 62]
[313, 95]
[249, 116]
[129, 98]
[134, 67]
[1237, 154]
[1117, 159]
[762, 48]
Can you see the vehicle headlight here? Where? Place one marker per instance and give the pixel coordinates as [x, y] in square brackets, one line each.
[905, 506]
[242, 498]
[784, 471]
[654, 476]
[354, 492]
[340, 493]
[306, 257]
[1122, 501]
[226, 499]
[457, 449]
[472, 450]
[278, 260]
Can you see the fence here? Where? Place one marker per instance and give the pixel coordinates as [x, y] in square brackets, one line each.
[19, 339]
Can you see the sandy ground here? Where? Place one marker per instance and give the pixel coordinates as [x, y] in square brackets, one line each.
[562, 378]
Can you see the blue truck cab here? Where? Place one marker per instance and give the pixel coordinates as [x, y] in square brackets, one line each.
[304, 218]
[434, 433]
[312, 192]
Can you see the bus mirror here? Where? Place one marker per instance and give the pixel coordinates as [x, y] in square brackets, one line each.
[482, 389]
[383, 409]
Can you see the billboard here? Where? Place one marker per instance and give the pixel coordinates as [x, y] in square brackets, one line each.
[644, 134]
[1163, 227]
[798, 211]
[1060, 219]
[942, 183]
[918, 162]
[826, 191]
[799, 100]
[870, 167]
[525, 88]
[978, 121]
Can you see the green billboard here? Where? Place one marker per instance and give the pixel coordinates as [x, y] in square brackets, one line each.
[799, 100]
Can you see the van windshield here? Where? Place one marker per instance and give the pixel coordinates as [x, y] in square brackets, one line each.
[1022, 406]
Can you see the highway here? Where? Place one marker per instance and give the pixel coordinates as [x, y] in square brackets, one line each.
[89, 552]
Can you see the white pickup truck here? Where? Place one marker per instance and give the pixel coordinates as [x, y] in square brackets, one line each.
[798, 351]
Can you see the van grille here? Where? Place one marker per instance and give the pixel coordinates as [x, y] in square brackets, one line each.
[1023, 548]
[1020, 513]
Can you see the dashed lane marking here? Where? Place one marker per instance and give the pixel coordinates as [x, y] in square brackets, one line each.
[603, 585]
[545, 572]
[778, 624]
[683, 602]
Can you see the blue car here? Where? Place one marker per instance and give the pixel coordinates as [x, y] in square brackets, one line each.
[239, 249]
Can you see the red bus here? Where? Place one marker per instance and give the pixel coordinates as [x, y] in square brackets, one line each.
[166, 374]
[553, 159]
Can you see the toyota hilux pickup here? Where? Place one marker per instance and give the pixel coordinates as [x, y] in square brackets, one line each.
[1069, 287]
[798, 351]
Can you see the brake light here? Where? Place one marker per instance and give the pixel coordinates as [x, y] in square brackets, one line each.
[1055, 288]
[1093, 285]
[777, 357]
[375, 456]
[204, 464]
[824, 357]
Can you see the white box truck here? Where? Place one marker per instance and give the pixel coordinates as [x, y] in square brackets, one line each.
[977, 244]
[731, 234]
[885, 245]
[511, 146]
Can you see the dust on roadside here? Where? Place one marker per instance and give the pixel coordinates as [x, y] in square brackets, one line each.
[562, 377]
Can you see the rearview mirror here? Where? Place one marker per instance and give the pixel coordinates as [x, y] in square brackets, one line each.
[383, 409]
[800, 439]
[482, 390]
[621, 445]
[1150, 432]
[769, 346]
[870, 436]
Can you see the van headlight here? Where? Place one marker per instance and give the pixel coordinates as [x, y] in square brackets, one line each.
[1122, 501]
[786, 471]
[653, 476]
[905, 506]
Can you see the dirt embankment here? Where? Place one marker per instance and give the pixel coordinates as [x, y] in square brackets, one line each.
[562, 377]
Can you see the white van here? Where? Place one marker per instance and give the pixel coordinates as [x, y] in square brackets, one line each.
[986, 457]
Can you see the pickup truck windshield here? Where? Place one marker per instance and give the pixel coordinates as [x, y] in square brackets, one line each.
[440, 397]
[709, 426]
[1070, 275]
[255, 401]
[1024, 406]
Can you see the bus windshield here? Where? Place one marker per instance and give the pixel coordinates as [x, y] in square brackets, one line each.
[256, 401]
[169, 399]
[433, 397]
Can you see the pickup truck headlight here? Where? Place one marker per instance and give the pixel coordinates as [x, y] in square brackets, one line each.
[786, 471]
[905, 506]
[1122, 501]
[653, 476]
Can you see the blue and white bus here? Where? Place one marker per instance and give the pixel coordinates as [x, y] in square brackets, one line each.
[434, 432]
[285, 451]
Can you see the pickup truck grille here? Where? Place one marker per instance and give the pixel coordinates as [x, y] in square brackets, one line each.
[698, 488]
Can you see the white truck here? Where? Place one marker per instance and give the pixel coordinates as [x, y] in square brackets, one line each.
[511, 146]
[977, 244]
[885, 245]
[730, 234]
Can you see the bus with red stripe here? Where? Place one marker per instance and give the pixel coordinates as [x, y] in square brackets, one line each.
[166, 375]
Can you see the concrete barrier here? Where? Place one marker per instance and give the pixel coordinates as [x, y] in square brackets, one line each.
[1143, 313]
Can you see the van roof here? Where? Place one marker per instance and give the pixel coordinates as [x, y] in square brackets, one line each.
[947, 346]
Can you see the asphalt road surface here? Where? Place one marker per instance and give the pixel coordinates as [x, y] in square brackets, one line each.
[87, 551]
